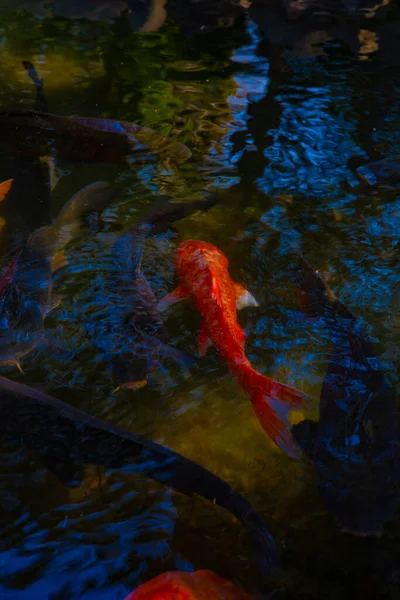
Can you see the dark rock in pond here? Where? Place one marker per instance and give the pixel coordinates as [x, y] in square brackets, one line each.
[355, 445]
[67, 438]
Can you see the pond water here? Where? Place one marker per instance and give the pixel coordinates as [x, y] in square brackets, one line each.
[279, 129]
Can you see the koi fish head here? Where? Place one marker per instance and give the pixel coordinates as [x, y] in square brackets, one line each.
[198, 254]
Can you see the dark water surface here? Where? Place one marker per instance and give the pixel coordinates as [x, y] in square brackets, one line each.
[284, 124]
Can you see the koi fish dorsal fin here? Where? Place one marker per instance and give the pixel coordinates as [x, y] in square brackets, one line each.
[5, 188]
[215, 287]
[244, 297]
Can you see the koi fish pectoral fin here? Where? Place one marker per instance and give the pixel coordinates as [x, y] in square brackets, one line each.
[177, 295]
[204, 341]
[244, 297]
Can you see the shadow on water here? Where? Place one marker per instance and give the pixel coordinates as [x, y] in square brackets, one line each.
[279, 109]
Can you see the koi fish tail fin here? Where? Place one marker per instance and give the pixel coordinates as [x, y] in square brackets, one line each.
[271, 402]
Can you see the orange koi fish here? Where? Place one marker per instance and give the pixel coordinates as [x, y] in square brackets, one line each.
[5, 188]
[176, 585]
[203, 271]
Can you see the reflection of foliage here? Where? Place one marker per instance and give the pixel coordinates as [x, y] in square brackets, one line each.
[165, 90]
[103, 69]
[67, 57]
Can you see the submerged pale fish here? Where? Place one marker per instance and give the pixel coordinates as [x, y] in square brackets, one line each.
[26, 284]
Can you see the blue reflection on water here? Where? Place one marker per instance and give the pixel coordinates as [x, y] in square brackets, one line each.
[311, 148]
[103, 546]
[252, 84]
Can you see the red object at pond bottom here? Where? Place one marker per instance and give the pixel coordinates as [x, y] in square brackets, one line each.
[176, 585]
